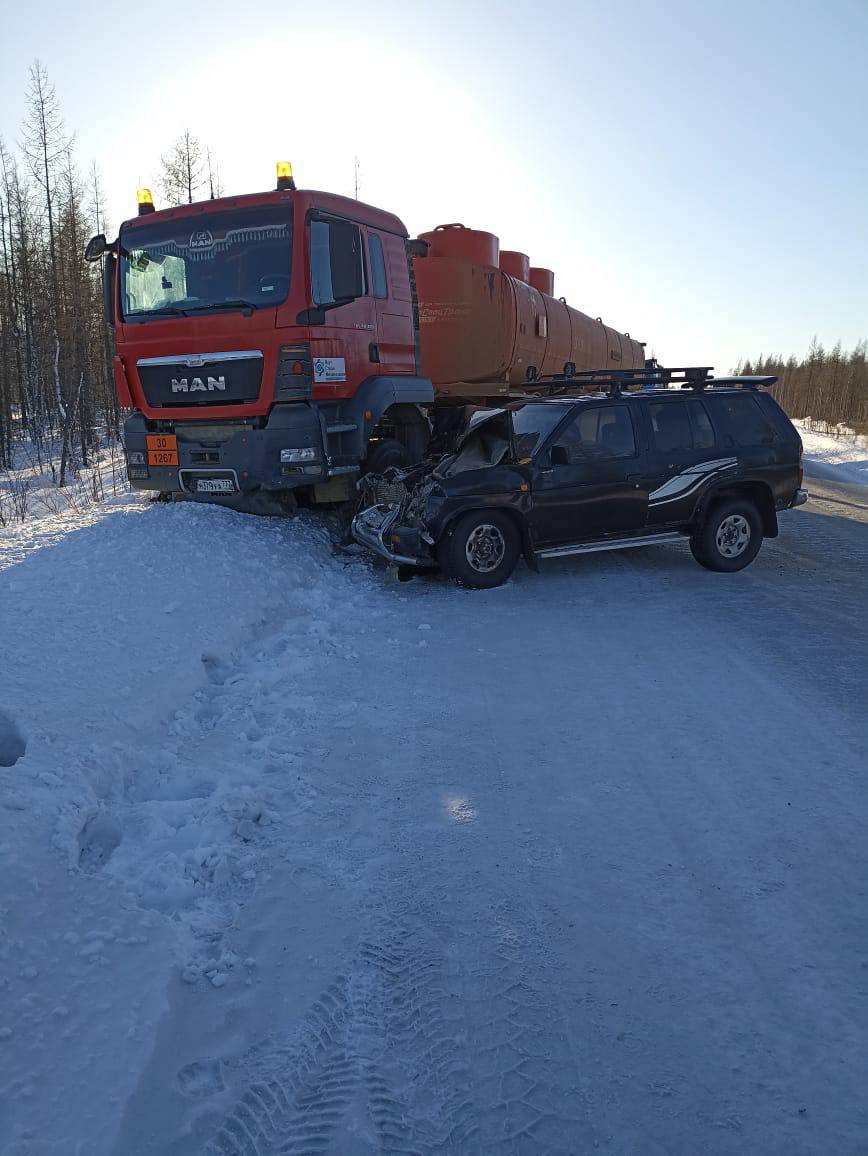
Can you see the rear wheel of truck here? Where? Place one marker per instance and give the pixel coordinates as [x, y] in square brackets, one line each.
[730, 537]
[386, 454]
[482, 550]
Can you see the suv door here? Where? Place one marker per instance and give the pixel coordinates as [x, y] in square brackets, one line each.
[588, 484]
[683, 453]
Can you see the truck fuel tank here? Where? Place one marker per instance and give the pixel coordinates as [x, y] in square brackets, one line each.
[486, 316]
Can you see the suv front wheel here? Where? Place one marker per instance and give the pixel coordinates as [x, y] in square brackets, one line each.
[482, 550]
[730, 537]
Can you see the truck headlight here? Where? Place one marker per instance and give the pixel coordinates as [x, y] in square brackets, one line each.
[307, 454]
[136, 457]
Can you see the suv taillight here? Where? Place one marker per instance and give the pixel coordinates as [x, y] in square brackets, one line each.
[801, 475]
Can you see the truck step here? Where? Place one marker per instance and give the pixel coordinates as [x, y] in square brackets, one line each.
[342, 427]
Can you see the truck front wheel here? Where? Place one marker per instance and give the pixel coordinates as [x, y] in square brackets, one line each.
[385, 454]
[482, 550]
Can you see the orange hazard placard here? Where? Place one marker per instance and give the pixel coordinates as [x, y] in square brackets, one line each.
[162, 449]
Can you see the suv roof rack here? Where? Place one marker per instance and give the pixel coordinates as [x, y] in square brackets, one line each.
[652, 376]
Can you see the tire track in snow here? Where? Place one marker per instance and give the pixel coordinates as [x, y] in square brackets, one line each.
[447, 1041]
[374, 1055]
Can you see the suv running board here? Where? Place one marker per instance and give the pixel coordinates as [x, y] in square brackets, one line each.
[613, 544]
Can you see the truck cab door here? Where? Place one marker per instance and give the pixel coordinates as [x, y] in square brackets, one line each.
[389, 281]
[589, 484]
[340, 345]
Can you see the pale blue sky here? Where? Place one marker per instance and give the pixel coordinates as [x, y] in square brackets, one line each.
[696, 173]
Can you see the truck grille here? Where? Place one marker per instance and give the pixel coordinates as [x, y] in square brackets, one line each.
[201, 379]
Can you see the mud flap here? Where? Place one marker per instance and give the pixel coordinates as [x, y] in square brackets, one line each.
[527, 548]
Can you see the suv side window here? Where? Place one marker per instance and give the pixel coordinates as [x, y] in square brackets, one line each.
[378, 266]
[603, 433]
[680, 425]
[700, 423]
[670, 422]
[746, 420]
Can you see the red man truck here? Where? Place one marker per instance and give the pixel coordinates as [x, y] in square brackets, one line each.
[279, 343]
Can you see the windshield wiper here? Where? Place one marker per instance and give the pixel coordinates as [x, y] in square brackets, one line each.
[172, 310]
[247, 306]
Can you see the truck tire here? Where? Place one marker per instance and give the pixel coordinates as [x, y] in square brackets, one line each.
[482, 549]
[730, 536]
[384, 454]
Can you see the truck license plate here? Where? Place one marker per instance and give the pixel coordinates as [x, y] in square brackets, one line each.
[162, 449]
[215, 486]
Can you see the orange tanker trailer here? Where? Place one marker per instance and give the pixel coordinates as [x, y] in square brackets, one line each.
[488, 320]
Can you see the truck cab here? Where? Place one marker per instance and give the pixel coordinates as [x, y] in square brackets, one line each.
[265, 342]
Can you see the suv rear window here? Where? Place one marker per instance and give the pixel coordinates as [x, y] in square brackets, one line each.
[746, 420]
[680, 425]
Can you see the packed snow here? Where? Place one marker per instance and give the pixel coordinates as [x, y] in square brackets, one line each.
[839, 455]
[298, 858]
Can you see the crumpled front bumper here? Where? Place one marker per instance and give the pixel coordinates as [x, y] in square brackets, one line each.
[374, 528]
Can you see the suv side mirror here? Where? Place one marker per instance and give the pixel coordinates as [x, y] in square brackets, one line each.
[559, 456]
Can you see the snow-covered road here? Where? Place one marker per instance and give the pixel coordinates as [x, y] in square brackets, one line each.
[298, 860]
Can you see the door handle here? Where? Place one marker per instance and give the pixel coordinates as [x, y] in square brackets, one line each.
[374, 353]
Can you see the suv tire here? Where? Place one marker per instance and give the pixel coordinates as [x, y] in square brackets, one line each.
[730, 537]
[482, 549]
[385, 454]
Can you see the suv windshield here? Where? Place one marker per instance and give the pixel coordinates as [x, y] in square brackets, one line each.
[233, 259]
[533, 423]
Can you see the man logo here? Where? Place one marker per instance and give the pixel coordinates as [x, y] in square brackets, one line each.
[198, 384]
[201, 240]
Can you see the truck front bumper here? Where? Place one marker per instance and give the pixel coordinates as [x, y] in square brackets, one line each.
[218, 458]
[800, 498]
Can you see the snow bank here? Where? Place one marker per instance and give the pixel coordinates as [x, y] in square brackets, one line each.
[842, 456]
[121, 644]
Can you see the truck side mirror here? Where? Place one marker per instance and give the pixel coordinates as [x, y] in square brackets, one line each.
[348, 274]
[559, 456]
[96, 246]
[109, 281]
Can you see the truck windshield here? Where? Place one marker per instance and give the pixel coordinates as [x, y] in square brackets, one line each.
[236, 259]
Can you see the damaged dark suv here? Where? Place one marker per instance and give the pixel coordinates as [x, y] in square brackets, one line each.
[711, 464]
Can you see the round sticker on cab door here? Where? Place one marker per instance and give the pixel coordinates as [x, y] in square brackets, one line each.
[329, 369]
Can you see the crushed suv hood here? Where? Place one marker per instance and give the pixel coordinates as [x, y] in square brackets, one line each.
[487, 441]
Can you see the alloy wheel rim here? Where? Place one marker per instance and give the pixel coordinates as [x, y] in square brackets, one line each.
[485, 548]
[733, 535]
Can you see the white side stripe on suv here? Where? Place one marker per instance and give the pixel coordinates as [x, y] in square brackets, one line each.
[684, 484]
